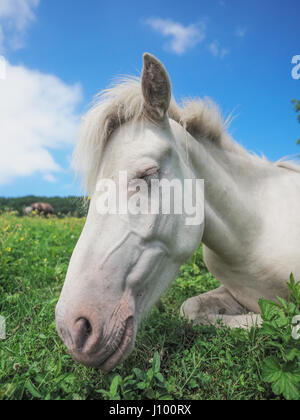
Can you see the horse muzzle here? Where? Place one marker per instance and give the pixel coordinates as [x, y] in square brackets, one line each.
[95, 343]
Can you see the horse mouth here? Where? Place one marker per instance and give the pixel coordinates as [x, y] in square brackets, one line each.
[123, 348]
[104, 359]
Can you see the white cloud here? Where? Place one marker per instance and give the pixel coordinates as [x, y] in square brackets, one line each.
[214, 49]
[241, 32]
[182, 37]
[37, 114]
[218, 51]
[15, 16]
[50, 178]
[1, 39]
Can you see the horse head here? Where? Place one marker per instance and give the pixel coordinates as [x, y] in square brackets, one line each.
[125, 258]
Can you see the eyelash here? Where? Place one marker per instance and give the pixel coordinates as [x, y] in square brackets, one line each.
[148, 177]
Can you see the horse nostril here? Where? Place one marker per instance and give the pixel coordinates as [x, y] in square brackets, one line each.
[86, 326]
[82, 331]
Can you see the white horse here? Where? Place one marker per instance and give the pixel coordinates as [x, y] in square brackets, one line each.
[122, 264]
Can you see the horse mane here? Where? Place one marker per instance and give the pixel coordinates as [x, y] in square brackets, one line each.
[124, 102]
[287, 164]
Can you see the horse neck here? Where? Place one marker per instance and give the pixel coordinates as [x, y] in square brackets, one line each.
[229, 174]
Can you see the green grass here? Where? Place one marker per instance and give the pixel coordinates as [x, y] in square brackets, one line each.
[171, 360]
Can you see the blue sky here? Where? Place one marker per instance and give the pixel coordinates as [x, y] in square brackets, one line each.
[60, 53]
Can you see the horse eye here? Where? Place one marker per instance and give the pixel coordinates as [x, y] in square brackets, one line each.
[152, 173]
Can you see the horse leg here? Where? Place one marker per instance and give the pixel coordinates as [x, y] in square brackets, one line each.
[246, 321]
[218, 307]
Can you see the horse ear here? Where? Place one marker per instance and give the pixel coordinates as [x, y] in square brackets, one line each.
[156, 87]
